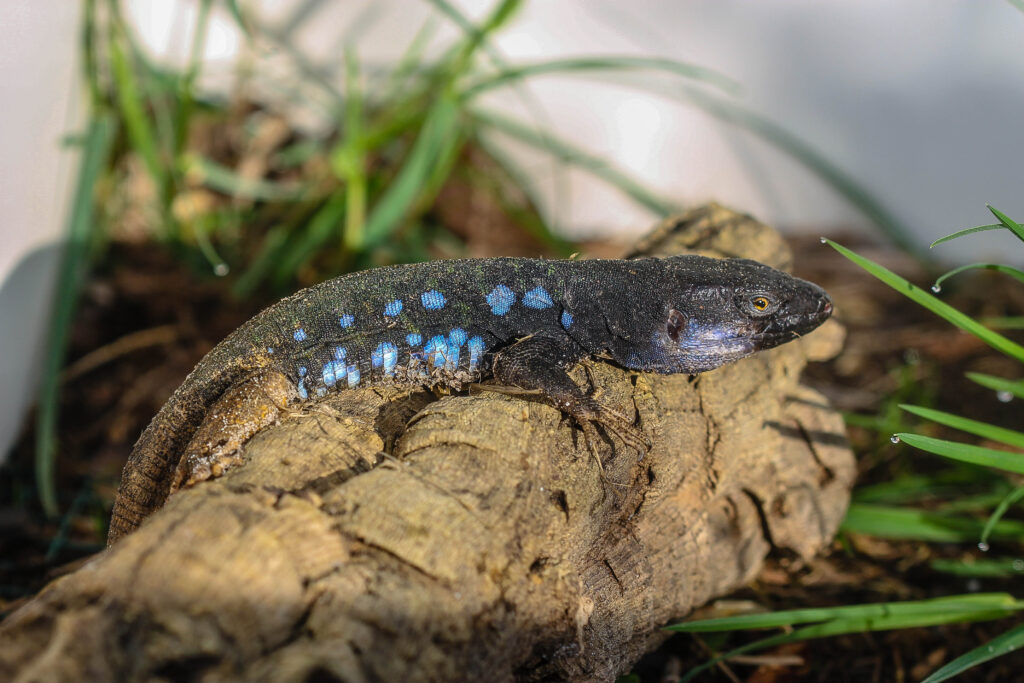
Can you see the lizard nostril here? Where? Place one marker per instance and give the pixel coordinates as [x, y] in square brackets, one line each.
[827, 308]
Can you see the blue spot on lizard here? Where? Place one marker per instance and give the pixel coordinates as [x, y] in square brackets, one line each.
[433, 300]
[385, 355]
[538, 299]
[437, 350]
[393, 308]
[501, 299]
[476, 352]
[333, 371]
[456, 338]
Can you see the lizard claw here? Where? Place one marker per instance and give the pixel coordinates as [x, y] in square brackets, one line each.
[616, 423]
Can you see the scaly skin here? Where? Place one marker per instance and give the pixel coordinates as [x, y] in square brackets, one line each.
[523, 321]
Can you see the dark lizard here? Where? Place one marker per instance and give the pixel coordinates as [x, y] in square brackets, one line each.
[524, 322]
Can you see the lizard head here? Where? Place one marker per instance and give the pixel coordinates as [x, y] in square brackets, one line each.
[714, 311]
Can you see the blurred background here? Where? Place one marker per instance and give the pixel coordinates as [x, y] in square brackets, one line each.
[171, 167]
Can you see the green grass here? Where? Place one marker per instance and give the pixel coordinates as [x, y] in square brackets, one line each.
[827, 622]
[920, 524]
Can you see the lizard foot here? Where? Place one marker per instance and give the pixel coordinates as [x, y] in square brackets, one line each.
[591, 413]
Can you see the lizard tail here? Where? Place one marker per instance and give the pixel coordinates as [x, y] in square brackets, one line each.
[147, 476]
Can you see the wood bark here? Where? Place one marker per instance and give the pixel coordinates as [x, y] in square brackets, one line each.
[384, 536]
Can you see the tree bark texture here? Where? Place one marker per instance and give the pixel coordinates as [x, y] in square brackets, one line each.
[385, 536]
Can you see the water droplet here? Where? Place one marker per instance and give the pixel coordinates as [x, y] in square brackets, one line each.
[983, 547]
[823, 240]
[1018, 565]
[1004, 396]
[973, 585]
[936, 288]
[221, 269]
[894, 438]
[991, 649]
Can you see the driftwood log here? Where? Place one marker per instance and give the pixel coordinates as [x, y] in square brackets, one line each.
[381, 536]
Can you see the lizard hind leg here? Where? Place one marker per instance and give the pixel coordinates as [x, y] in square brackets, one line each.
[538, 364]
[241, 411]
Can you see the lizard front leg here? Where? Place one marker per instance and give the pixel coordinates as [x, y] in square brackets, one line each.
[244, 409]
[540, 363]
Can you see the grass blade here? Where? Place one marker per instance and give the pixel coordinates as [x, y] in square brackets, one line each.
[982, 429]
[976, 455]
[223, 179]
[1010, 224]
[771, 132]
[1008, 322]
[936, 306]
[980, 568]
[603, 64]
[908, 523]
[98, 142]
[937, 606]
[997, 647]
[576, 157]
[140, 132]
[186, 83]
[968, 231]
[349, 159]
[904, 489]
[1006, 270]
[324, 223]
[439, 132]
[1014, 387]
[997, 514]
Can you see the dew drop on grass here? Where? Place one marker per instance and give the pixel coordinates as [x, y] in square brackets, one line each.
[983, 547]
[1004, 396]
[1018, 565]
[823, 240]
[894, 439]
[936, 288]
[221, 269]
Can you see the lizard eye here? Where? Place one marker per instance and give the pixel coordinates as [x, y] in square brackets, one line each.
[758, 305]
[676, 323]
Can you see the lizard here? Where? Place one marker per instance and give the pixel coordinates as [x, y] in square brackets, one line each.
[523, 322]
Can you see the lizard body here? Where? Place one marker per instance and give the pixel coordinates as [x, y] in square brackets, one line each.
[524, 322]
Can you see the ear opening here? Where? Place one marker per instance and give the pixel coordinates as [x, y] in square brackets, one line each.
[675, 324]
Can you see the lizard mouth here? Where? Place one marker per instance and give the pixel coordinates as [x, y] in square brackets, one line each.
[782, 330]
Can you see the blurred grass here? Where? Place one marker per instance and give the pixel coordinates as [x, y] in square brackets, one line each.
[96, 148]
